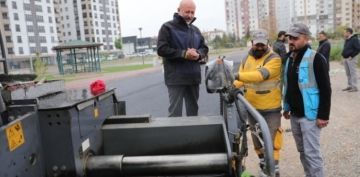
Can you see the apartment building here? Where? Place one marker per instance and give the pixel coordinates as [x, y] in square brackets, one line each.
[94, 21]
[284, 14]
[27, 27]
[234, 20]
[343, 11]
[356, 15]
[244, 16]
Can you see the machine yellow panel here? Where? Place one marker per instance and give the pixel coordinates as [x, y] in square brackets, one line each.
[96, 112]
[15, 136]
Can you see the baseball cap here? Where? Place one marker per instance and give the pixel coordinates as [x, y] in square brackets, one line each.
[260, 36]
[298, 29]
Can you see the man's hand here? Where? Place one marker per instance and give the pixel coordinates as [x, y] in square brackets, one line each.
[322, 123]
[286, 114]
[191, 54]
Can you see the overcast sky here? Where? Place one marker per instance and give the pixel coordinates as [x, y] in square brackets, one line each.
[151, 14]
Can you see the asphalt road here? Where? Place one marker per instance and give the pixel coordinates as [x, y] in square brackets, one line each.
[147, 93]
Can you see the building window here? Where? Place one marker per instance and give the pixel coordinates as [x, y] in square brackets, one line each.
[69, 33]
[28, 17]
[52, 39]
[49, 10]
[10, 50]
[83, 6]
[32, 50]
[16, 16]
[39, 18]
[32, 39]
[30, 28]
[14, 6]
[94, 7]
[8, 39]
[5, 15]
[44, 50]
[86, 31]
[19, 40]
[67, 17]
[85, 23]
[7, 27]
[68, 25]
[97, 31]
[51, 29]
[84, 15]
[87, 39]
[17, 28]
[3, 3]
[50, 20]
[41, 29]
[21, 50]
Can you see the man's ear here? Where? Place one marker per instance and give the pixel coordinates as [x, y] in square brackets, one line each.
[178, 9]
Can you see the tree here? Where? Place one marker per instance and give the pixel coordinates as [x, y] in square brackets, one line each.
[40, 67]
[118, 43]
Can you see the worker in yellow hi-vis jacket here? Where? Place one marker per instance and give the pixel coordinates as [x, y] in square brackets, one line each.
[259, 75]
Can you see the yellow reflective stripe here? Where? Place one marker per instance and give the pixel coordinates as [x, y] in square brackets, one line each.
[263, 86]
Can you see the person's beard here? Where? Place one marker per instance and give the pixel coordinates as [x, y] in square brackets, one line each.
[258, 53]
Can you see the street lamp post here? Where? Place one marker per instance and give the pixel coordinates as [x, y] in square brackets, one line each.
[142, 57]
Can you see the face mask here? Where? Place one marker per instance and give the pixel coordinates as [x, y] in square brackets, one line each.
[258, 53]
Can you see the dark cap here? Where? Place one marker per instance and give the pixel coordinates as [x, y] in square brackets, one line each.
[260, 36]
[297, 29]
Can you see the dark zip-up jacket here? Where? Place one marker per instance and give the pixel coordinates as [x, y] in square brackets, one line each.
[324, 48]
[293, 95]
[174, 38]
[279, 48]
[351, 47]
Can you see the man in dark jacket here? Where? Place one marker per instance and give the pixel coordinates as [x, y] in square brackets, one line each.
[182, 47]
[279, 46]
[350, 55]
[307, 98]
[324, 47]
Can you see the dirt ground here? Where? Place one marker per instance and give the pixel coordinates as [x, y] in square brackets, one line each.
[340, 140]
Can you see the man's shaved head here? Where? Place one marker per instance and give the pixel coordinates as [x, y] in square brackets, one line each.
[187, 10]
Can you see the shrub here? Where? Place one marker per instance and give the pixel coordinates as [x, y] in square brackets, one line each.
[335, 53]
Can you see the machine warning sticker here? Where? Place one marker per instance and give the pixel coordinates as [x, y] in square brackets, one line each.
[15, 136]
[96, 112]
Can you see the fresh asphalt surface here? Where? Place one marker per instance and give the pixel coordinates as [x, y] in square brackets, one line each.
[147, 93]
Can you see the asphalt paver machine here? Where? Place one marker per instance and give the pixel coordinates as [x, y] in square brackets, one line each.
[49, 131]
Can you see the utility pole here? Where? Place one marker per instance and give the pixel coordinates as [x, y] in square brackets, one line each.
[141, 54]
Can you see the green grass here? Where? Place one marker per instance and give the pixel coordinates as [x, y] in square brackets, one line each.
[125, 68]
[105, 70]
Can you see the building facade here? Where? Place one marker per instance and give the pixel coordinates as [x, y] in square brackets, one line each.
[36, 26]
[284, 14]
[237, 17]
[28, 27]
[245, 16]
[356, 15]
[94, 21]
